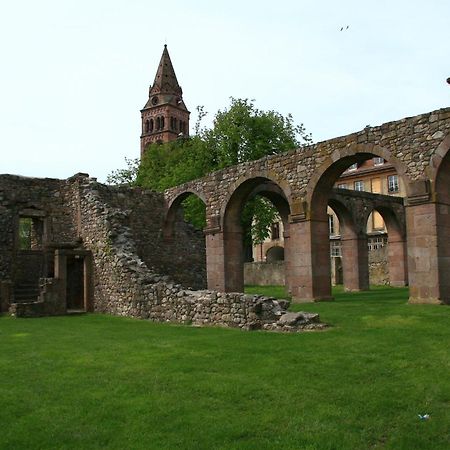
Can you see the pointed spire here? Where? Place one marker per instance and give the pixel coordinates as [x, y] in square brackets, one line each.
[165, 80]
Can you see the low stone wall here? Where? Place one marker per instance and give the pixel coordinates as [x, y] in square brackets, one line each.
[264, 273]
[272, 274]
[379, 267]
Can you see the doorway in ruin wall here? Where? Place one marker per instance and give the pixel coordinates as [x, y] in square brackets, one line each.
[73, 269]
[75, 283]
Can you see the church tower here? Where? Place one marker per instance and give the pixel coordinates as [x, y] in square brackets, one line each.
[164, 116]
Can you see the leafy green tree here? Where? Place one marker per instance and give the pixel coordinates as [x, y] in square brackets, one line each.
[125, 176]
[244, 133]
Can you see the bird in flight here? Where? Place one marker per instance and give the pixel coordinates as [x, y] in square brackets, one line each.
[342, 28]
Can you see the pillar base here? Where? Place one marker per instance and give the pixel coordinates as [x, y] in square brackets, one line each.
[312, 300]
[425, 301]
[365, 289]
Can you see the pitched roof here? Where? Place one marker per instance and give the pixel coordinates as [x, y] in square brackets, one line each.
[165, 80]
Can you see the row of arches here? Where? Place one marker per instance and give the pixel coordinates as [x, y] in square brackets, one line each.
[412, 252]
[159, 123]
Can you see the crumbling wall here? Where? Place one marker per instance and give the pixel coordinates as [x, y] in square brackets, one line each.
[183, 258]
[19, 195]
[125, 285]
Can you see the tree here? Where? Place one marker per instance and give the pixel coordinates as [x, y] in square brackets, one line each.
[244, 133]
[125, 176]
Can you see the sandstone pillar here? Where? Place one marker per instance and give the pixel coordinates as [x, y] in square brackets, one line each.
[428, 226]
[355, 263]
[287, 259]
[398, 273]
[309, 261]
[234, 261]
[225, 261]
[215, 260]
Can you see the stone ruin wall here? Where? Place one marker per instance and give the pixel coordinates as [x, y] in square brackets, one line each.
[125, 285]
[121, 227]
[22, 194]
[182, 258]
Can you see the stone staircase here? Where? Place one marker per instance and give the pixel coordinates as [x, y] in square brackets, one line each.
[26, 292]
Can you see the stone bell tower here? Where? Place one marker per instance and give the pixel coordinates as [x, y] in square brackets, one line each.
[164, 116]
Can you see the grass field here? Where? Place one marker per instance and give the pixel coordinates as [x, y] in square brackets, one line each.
[95, 381]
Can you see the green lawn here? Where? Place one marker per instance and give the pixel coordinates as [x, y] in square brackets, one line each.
[95, 381]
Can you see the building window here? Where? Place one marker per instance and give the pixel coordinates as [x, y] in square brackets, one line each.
[25, 225]
[393, 183]
[158, 123]
[353, 167]
[31, 231]
[376, 185]
[375, 243]
[151, 125]
[378, 161]
[342, 186]
[335, 248]
[147, 126]
[331, 224]
[359, 185]
[275, 231]
[162, 122]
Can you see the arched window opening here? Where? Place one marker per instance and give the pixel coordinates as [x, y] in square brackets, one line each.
[147, 126]
[185, 221]
[158, 123]
[151, 125]
[275, 254]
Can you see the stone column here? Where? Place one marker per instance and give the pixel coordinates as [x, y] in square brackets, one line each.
[234, 261]
[215, 260]
[398, 273]
[224, 261]
[355, 263]
[287, 260]
[309, 265]
[428, 226]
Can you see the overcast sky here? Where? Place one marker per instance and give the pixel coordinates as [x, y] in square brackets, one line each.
[75, 74]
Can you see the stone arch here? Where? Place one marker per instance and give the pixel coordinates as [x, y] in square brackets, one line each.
[314, 270]
[252, 182]
[173, 208]
[325, 176]
[440, 170]
[241, 191]
[442, 194]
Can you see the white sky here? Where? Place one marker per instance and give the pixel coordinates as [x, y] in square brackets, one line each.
[74, 74]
